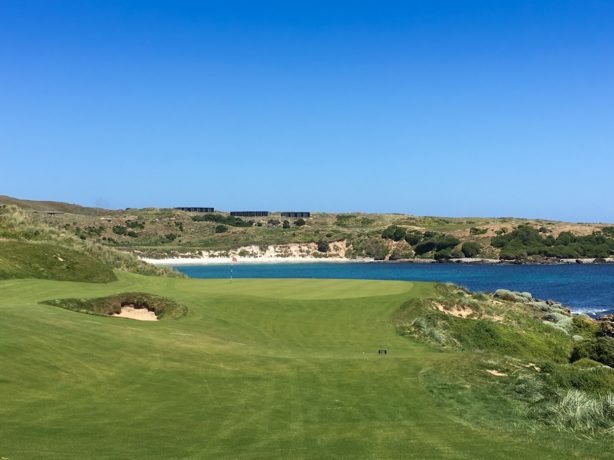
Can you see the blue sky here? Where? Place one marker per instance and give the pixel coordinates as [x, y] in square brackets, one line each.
[455, 108]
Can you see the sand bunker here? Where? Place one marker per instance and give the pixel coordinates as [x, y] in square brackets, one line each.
[141, 314]
[456, 310]
[496, 373]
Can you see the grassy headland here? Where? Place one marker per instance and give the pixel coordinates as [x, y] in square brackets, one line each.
[30, 248]
[161, 233]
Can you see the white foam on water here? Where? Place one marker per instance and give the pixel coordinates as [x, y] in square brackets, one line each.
[593, 311]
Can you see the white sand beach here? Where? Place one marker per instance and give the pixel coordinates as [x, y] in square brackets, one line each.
[250, 260]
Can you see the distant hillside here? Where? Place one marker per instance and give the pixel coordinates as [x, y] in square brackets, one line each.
[168, 232]
[30, 248]
[52, 206]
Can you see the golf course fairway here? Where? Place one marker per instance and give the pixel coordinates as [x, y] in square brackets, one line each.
[256, 369]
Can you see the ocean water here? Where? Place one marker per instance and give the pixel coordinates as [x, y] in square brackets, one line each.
[584, 288]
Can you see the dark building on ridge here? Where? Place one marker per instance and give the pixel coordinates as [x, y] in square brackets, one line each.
[249, 213]
[196, 209]
[296, 214]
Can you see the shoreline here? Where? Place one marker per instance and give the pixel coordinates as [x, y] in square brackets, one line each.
[204, 261]
[250, 260]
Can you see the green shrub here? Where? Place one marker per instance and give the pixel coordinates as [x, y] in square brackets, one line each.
[221, 219]
[119, 230]
[445, 242]
[424, 247]
[299, 222]
[372, 246]
[477, 231]
[135, 224]
[470, 249]
[323, 246]
[600, 349]
[442, 254]
[525, 241]
[394, 232]
[221, 228]
[413, 238]
[345, 220]
[286, 224]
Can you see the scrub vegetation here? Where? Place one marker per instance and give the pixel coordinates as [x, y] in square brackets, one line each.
[31, 248]
[551, 367]
[170, 233]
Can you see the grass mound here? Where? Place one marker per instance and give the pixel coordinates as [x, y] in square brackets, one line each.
[457, 318]
[18, 226]
[162, 307]
[20, 259]
[549, 365]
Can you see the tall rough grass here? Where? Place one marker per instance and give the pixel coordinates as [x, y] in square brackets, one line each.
[15, 224]
[579, 411]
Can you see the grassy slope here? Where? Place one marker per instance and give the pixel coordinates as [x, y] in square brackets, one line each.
[30, 248]
[20, 259]
[257, 369]
[52, 206]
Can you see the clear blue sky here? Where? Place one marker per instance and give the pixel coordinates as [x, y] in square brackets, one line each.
[458, 108]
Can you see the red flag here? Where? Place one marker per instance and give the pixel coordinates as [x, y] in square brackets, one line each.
[234, 259]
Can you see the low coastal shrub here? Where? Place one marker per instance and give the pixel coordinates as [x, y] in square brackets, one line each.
[424, 247]
[221, 228]
[470, 249]
[221, 219]
[401, 251]
[445, 242]
[394, 232]
[119, 230]
[413, 237]
[323, 246]
[525, 241]
[170, 237]
[369, 246]
[135, 224]
[600, 349]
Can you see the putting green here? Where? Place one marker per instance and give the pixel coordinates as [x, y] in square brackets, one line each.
[257, 369]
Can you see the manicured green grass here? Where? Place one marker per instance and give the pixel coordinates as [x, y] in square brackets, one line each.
[256, 369]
